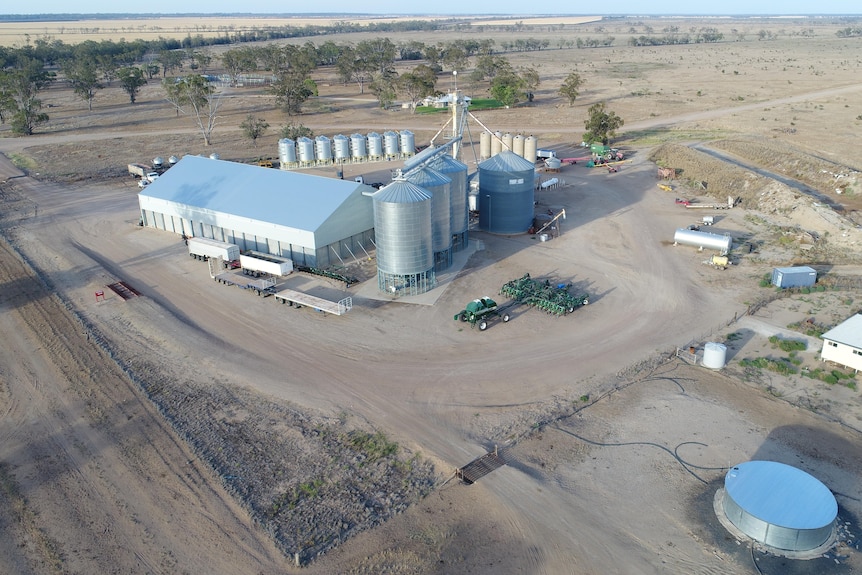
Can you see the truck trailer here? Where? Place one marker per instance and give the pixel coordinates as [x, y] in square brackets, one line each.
[205, 248]
[139, 170]
[257, 264]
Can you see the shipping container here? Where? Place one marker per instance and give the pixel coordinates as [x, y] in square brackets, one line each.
[797, 276]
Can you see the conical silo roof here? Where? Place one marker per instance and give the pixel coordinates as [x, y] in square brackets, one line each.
[401, 192]
[506, 161]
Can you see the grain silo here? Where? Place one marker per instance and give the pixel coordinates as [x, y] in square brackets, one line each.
[779, 505]
[305, 150]
[506, 194]
[531, 144]
[496, 143]
[357, 147]
[408, 143]
[439, 186]
[375, 146]
[390, 144]
[518, 145]
[402, 227]
[484, 145]
[323, 149]
[341, 147]
[508, 142]
[458, 206]
[286, 153]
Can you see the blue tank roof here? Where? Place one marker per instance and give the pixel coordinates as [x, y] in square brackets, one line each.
[781, 495]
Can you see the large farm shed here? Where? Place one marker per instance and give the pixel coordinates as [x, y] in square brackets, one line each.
[843, 343]
[314, 221]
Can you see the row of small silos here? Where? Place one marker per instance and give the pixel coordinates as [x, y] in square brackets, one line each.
[491, 144]
[344, 149]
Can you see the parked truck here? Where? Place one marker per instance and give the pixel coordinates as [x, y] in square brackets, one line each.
[259, 264]
[139, 170]
[205, 248]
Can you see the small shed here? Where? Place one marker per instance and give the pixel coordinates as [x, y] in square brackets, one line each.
[797, 276]
[843, 343]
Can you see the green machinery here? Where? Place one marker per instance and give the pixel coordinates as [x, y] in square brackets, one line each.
[479, 311]
[552, 298]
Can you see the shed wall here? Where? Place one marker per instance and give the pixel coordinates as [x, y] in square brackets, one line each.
[842, 353]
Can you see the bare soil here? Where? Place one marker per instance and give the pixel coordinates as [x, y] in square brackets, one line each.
[197, 428]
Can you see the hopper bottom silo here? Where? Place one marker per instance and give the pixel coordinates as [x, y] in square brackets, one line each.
[406, 284]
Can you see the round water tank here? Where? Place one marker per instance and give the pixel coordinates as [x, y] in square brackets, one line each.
[508, 142]
[305, 149]
[496, 143]
[457, 172]
[157, 162]
[506, 194]
[439, 186]
[390, 144]
[702, 240]
[408, 143]
[322, 149]
[531, 144]
[402, 229]
[375, 145]
[779, 505]
[518, 145]
[341, 147]
[173, 160]
[286, 152]
[714, 355]
[357, 147]
[485, 145]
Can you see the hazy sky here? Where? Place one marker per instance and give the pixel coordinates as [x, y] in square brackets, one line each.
[514, 7]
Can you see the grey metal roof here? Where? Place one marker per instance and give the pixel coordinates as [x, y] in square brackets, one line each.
[507, 161]
[446, 164]
[426, 177]
[781, 495]
[797, 269]
[848, 332]
[401, 192]
[291, 199]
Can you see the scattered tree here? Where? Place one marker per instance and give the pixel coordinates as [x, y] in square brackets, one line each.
[18, 90]
[294, 131]
[291, 89]
[601, 125]
[571, 87]
[131, 79]
[194, 96]
[417, 84]
[253, 128]
[83, 75]
[384, 87]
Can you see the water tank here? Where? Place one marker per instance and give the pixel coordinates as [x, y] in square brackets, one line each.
[703, 240]
[531, 144]
[357, 147]
[305, 149]
[714, 355]
[485, 145]
[323, 149]
[496, 143]
[458, 207]
[779, 505]
[341, 147]
[506, 194]
[390, 144]
[408, 143]
[439, 186]
[518, 145]
[173, 160]
[508, 142]
[402, 228]
[158, 162]
[375, 145]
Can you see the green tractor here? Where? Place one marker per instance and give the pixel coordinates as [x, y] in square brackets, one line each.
[479, 311]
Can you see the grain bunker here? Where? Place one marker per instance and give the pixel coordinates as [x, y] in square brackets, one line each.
[402, 222]
[778, 505]
[506, 194]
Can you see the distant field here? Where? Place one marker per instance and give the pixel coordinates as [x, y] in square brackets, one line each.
[75, 32]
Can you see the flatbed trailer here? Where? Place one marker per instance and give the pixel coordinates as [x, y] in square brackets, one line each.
[262, 287]
[299, 299]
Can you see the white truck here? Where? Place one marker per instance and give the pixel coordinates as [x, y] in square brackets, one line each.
[258, 264]
[205, 248]
[546, 154]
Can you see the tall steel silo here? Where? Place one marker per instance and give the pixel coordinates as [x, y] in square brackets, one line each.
[484, 145]
[408, 143]
[439, 186]
[357, 147]
[286, 153]
[375, 146]
[305, 150]
[496, 143]
[518, 145]
[531, 144]
[341, 147]
[390, 144]
[458, 203]
[402, 229]
[508, 142]
[323, 149]
[506, 194]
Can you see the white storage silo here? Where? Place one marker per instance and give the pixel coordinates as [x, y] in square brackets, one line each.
[484, 145]
[390, 144]
[305, 150]
[375, 146]
[518, 145]
[323, 149]
[402, 229]
[508, 142]
[531, 144]
[408, 143]
[496, 143]
[357, 147]
[286, 153]
[341, 147]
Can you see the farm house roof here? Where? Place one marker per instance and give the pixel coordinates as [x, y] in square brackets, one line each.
[848, 332]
